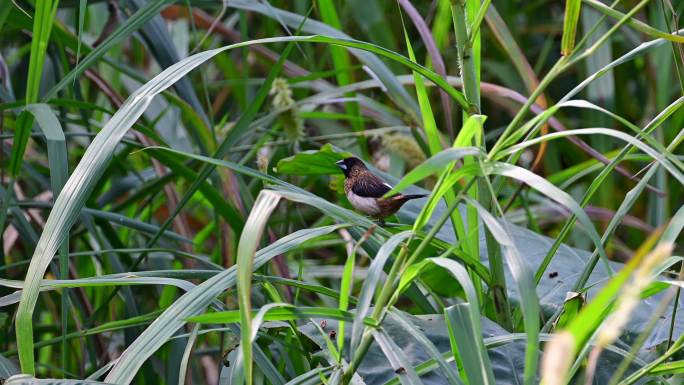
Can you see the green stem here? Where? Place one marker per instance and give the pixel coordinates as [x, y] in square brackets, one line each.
[471, 88]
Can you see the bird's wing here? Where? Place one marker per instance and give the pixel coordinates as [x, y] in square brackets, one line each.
[368, 185]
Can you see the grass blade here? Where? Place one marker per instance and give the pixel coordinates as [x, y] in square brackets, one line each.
[428, 118]
[249, 240]
[448, 370]
[370, 284]
[570, 21]
[473, 342]
[400, 364]
[524, 280]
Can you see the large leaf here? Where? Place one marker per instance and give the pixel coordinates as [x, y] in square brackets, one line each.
[506, 351]
[313, 162]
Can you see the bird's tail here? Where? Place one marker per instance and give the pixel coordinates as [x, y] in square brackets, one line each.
[408, 197]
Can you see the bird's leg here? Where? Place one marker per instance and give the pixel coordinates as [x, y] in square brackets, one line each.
[381, 222]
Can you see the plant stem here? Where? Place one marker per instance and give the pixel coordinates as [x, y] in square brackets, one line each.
[471, 89]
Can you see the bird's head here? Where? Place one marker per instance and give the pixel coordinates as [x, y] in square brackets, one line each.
[350, 165]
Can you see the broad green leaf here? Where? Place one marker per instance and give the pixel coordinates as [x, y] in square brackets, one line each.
[312, 162]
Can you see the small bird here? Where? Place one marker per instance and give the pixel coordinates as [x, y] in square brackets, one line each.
[365, 190]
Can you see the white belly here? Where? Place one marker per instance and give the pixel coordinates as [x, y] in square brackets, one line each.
[367, 206]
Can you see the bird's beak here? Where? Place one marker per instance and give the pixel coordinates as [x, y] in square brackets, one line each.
[340, 164]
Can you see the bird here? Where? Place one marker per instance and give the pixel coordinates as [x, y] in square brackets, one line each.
[365, 190]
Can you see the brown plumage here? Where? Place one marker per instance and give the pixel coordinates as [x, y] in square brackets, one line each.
[365, 190]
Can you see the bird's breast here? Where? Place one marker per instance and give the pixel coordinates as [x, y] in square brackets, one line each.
[368, 206]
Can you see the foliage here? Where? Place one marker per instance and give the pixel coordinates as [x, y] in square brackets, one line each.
[171, 211]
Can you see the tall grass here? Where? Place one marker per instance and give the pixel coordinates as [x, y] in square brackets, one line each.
[200, 226]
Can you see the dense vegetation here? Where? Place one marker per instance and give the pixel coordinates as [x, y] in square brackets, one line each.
[171, 211]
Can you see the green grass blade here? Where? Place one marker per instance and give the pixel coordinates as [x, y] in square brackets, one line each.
[663, 156]
[524, 280]
[557, 195]
[82, 4]
[186, 355]
[462, 336]
[473, 341]
[449, 371]
[510, 46]
[401, 365]
[346, 288]
[42, 26]
[249, 241]
[370, 285]
[342, 63]
[570, 21]
[28, 380]
[395, 90]
[428, 118]
[285, 312]
[634, 22]
[433, 165]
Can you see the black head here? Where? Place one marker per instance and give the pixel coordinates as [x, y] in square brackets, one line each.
[350, 164]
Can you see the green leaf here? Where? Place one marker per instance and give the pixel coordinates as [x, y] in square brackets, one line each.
[473, 342]
[571, 307]
[433, 165]
[572, 13]
[24, 379]
[370, 284]
[313, 162]
[42, 26]
[524, 280]
[286, 313]
[448, 370]
[428, 118]
[462, 337]
[249, 241]
[400, 363]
